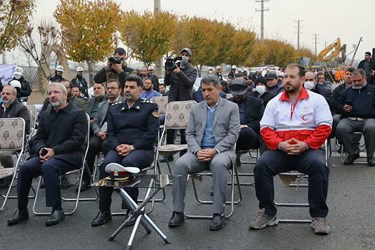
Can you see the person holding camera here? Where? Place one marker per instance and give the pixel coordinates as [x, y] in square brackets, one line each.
[116, 68]
[180, 76]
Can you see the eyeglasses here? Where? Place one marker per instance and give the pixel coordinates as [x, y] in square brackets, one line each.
[320, 78]
[55, 92]
[359, 80]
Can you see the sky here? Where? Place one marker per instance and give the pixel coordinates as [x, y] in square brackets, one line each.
[329, 19]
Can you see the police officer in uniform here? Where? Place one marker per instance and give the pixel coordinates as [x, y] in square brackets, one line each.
[132, 131]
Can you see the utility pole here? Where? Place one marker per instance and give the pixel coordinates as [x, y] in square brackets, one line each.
[158, 63]
[298, 31]
[262, 10]
[316, 43]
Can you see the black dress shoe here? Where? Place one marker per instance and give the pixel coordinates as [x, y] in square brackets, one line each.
[56, 217]
[101, 218]
[176, 220]
[351, 158]
[371, 161]
[169, 158]
[18, 217]
[218, 222]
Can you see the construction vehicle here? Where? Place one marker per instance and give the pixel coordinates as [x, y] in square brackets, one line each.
[333, 54]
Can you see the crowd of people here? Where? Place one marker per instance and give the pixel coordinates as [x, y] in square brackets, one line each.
[287, 114]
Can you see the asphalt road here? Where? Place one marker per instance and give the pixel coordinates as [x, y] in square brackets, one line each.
[351, 217]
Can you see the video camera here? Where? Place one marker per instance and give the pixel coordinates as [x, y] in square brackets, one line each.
[172, 63]
[114, 60]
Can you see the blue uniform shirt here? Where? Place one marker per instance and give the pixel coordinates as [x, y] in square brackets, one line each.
[137, 125]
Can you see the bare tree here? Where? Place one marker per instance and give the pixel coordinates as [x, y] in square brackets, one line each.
[40, 51]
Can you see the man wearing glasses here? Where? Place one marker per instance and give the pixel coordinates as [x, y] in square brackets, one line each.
[58, 146]
[357, 108]
[116, 68]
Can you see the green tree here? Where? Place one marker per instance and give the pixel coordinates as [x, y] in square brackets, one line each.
[87, 28]
[14, 19]
[149, 35]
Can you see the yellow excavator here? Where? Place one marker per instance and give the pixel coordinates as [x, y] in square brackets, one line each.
[335, 53]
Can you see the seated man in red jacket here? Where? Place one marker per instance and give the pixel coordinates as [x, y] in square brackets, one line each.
[294, 126]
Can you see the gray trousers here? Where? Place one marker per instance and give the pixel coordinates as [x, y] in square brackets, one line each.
[344, 132]
[219, 166]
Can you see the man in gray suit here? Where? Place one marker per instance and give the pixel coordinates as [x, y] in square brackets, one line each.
[99, 128]
[211, 134]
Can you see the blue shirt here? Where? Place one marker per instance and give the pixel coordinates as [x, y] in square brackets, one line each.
[208, 140]
[149, 94]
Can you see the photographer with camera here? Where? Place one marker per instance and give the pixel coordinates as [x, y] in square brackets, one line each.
[180, 76]
[116, 68]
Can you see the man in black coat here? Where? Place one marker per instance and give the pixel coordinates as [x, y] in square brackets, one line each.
[251, 111]
[59, 147]
[25, 91]
[115, 70]
[181, 81]
[132, 131]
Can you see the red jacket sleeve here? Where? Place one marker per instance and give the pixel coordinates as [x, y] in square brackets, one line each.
[270, 138]
[317, 138]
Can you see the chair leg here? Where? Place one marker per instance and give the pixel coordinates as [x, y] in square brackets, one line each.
[232, 201]
[11, 185]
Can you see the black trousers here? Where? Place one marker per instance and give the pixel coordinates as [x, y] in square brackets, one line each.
[311, 162]
[171, 136]
[247, 139]
[50, 170]
[137, 158]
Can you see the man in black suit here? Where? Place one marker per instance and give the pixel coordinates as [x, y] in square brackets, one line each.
[251, 111]
[59, 147]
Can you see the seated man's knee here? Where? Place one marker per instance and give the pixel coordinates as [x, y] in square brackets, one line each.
[180, 167]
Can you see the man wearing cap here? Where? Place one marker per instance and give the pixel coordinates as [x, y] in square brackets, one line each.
[25, 91]
[211, 134]
[58, 77]
[251, 111]
[272, 82]
[219, 72]
[81, 82]
[181, 81]
[154, 78]
[132, 131]
[261, 90]
[233, 72]
[113, 70]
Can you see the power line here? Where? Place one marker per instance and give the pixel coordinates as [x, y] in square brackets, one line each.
[262, 10]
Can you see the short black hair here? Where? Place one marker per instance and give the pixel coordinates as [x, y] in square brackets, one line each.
[302, 70]
[368, 53]
[134, 78]
[113, 80]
